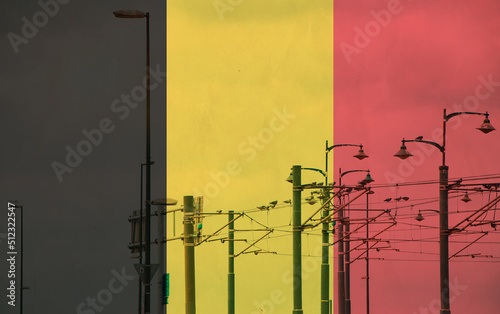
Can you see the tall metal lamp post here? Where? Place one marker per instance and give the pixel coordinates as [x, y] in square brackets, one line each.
[347, 248]
[368, 252]
[135, 14]
[444, 232]
[324, 265]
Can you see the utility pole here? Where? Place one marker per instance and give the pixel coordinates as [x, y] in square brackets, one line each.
[444, 232]
[347, 248]
[189, 254]
[140, 237]
[325, 280]
[325, 276]
[297, 241]
[230, 276]
[341, 273]
[340, 248]
[443, 239]
[147, 298]
[367, 255]
[161, 256]
[347, 261]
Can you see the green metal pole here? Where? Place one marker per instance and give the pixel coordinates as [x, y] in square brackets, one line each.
[367, 255]
[325, 274]
[340, 248]
[347, 261]
[297, 243]
[189, 254]
[230, 276]
[161, 257]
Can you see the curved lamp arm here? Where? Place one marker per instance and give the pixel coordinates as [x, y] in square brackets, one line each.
[451, 115]
[339, 145]
[344, 173]
[317, 170]
[441, 148]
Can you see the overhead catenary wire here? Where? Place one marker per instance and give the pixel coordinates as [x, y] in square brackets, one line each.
[405, 222]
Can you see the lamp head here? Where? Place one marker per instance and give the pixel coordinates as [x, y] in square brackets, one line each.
[466, 198]
[311, 200]
[419, 217]
[290, 178]
[403, 153]
[164, 201]
[361, 154]
[129, 14]
[486, 127]
[368, 178]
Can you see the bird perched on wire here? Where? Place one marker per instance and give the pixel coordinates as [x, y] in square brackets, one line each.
[388, 199]
[419, 138]
[456, 183]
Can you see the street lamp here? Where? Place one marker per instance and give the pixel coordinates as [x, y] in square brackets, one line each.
[368, 251]
[347, 257]
[466, 198]
[419, 216]
[135, 14]
[340, 248]
[403, 153]
[444, 232]
[360, 155]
